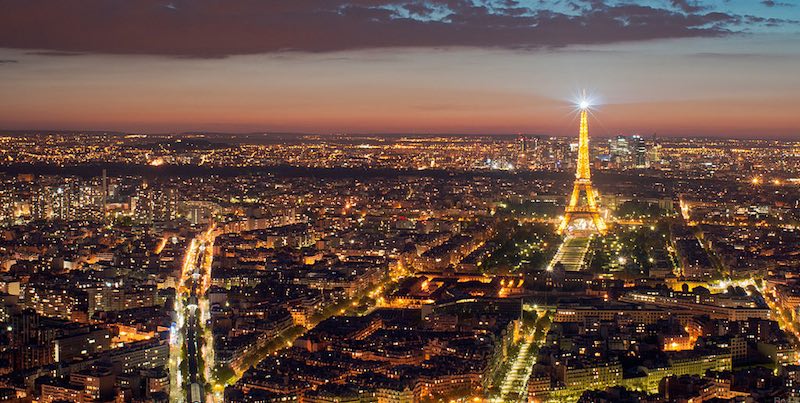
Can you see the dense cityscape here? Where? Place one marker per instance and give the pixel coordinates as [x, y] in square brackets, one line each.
[399, 201]
[273, 268]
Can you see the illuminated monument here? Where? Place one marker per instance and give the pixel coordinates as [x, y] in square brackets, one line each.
[582, 215]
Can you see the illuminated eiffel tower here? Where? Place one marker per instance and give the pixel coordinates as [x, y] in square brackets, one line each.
[583, 215]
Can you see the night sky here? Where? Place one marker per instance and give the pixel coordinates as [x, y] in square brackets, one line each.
[673, 67]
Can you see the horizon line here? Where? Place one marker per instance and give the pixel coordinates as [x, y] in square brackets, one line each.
[40, 132]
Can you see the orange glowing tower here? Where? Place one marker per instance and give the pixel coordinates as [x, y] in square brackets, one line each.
[583, 212]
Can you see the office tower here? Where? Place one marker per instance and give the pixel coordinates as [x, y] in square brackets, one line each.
[638, 152]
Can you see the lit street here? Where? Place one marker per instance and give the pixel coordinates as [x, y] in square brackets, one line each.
[514, 385]
[191, 353]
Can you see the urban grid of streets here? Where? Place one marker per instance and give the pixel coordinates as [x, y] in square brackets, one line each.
[192, 362]
[192, 355]
[191, 344]
[192, 341]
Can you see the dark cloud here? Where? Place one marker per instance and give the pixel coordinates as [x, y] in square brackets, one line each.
[688, 6]
[771, 3]
[213, 28]
[54, 53]
[8, 61]
[419, 9]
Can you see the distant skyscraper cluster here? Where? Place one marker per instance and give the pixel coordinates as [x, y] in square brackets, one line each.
[631, 152]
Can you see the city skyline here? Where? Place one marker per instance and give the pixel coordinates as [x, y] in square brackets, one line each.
[676, 68]
[399, 201]
[405, 270]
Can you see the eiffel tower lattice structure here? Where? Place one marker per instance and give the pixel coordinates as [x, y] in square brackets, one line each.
[582, 214]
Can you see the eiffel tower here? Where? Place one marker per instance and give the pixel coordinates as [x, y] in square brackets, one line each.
[583, 215]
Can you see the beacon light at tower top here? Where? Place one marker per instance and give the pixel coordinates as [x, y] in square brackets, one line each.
[584, 101]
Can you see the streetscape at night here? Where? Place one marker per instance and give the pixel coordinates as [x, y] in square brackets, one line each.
[399, 201]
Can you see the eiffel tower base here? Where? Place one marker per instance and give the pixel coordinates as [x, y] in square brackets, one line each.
[598, 224]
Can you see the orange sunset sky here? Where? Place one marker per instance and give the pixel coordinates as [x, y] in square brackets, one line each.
[712, 68]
